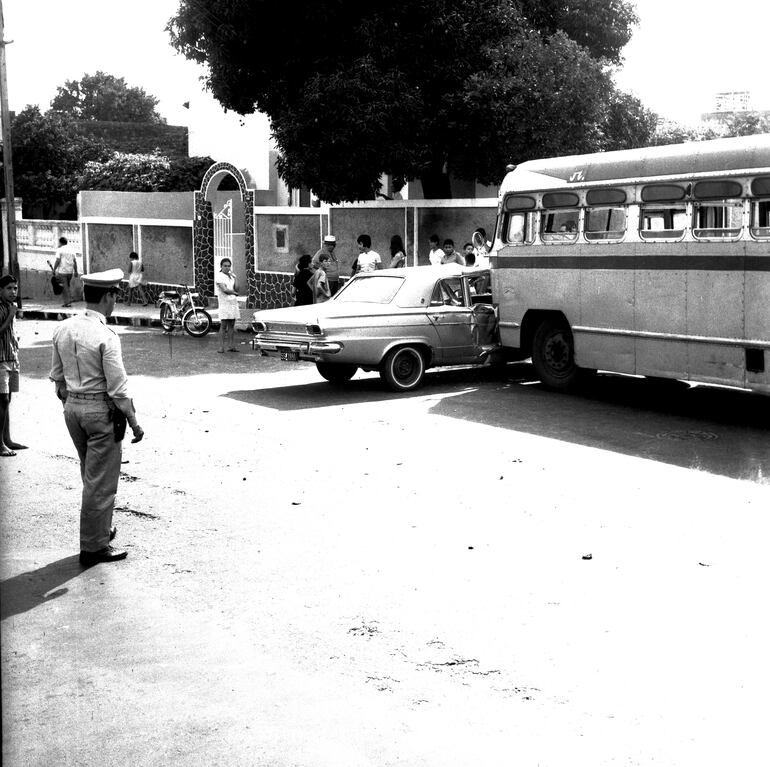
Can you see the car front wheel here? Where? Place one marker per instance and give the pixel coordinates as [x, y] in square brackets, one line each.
[403, 369]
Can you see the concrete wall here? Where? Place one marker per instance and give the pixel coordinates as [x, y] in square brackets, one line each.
[302, 235]
[379, 223]
[167, 254]
[137, 205]
[108, 246]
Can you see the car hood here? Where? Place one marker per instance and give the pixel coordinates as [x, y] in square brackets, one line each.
[316, 313]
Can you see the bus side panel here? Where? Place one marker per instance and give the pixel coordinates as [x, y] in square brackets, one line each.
[509, 310]
[660, 308]
[757, 310]
[715, 310]
[518, 290]
[606, 301]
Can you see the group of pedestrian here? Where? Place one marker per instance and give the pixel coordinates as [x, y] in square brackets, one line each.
[317, 278]
[472, 254]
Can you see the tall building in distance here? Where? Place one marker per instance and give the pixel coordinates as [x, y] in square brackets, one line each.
[728, 104]
[732, 101]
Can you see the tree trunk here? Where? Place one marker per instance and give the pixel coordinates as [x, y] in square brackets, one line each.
[435, 185]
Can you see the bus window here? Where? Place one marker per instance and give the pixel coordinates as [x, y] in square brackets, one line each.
[520, 228]
[760, 219]
[605, 223]
[717, 219]
[662, 220]
[559, 225]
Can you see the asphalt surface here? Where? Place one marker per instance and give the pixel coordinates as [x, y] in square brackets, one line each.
[477, 573]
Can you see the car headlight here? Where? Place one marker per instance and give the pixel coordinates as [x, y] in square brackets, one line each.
[258, 327]
[314, 330]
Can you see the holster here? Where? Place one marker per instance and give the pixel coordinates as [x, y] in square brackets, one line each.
[119, 422]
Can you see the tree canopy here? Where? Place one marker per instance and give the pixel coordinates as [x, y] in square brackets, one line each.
[105, 97]
[150, 172]
[48, 155]
[418, 89]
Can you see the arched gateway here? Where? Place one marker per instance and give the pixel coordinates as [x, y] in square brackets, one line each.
[223, 225]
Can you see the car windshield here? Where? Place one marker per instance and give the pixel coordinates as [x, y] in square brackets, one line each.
[377, 289]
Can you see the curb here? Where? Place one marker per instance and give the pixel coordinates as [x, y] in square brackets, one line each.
[56, 316]
[43, 314]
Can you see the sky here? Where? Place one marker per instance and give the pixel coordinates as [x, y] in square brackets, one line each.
[682, 53]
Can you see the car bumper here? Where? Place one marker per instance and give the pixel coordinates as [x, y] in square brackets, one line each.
[312, 351]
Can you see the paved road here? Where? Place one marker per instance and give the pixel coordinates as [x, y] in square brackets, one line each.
[345, 576]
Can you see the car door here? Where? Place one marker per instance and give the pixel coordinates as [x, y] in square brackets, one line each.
[451, 313]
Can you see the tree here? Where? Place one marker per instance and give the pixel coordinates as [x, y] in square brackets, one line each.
[123, 172]
[105, 97]
[418, 89]
[48, 156]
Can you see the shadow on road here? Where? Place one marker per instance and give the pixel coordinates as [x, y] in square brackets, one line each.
[720, 431]
[373, 389]
[27, 590]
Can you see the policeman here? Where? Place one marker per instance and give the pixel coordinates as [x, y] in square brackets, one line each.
[87, 369]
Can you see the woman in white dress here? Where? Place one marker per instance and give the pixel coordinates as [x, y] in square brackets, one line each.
[227, 289]
[136, 278]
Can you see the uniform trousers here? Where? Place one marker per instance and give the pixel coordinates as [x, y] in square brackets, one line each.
[89, 425]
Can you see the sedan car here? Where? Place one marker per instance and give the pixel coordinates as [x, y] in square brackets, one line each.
[397, 321]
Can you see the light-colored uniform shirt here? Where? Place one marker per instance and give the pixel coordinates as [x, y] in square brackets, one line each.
[367, 262]
[87, 359]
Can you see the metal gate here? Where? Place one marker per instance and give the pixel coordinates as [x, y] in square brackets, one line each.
[223, 234]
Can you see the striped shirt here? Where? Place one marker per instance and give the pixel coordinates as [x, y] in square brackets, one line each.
[9, 344]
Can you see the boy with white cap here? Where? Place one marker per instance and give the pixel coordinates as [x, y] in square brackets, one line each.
[91, 381]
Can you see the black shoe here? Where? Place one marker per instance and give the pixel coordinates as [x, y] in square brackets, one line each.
[107, 554]
[113, 532]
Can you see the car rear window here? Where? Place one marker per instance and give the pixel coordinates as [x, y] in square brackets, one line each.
[377, 289]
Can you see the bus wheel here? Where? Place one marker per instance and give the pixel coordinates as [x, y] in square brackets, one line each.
[553, 355]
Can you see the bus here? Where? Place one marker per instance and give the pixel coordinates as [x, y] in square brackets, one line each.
[650, 262]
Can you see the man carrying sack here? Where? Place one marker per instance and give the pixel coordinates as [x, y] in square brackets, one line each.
[91, 381]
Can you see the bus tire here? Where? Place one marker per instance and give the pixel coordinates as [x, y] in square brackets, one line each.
[336, 372]
[403, 368]
[553, 355]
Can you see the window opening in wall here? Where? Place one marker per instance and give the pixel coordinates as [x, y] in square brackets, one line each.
[281, 238]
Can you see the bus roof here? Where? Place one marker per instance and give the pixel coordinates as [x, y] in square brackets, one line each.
[745, 153]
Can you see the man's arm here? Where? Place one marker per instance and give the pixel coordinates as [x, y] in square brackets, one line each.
[57, 373]
[117, 384]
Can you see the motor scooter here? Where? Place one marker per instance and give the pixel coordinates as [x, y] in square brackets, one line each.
[183, 309]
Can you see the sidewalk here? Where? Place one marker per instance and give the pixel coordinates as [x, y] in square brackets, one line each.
[136, 314]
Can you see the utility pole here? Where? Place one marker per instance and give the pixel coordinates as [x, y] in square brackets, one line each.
[5, 115]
